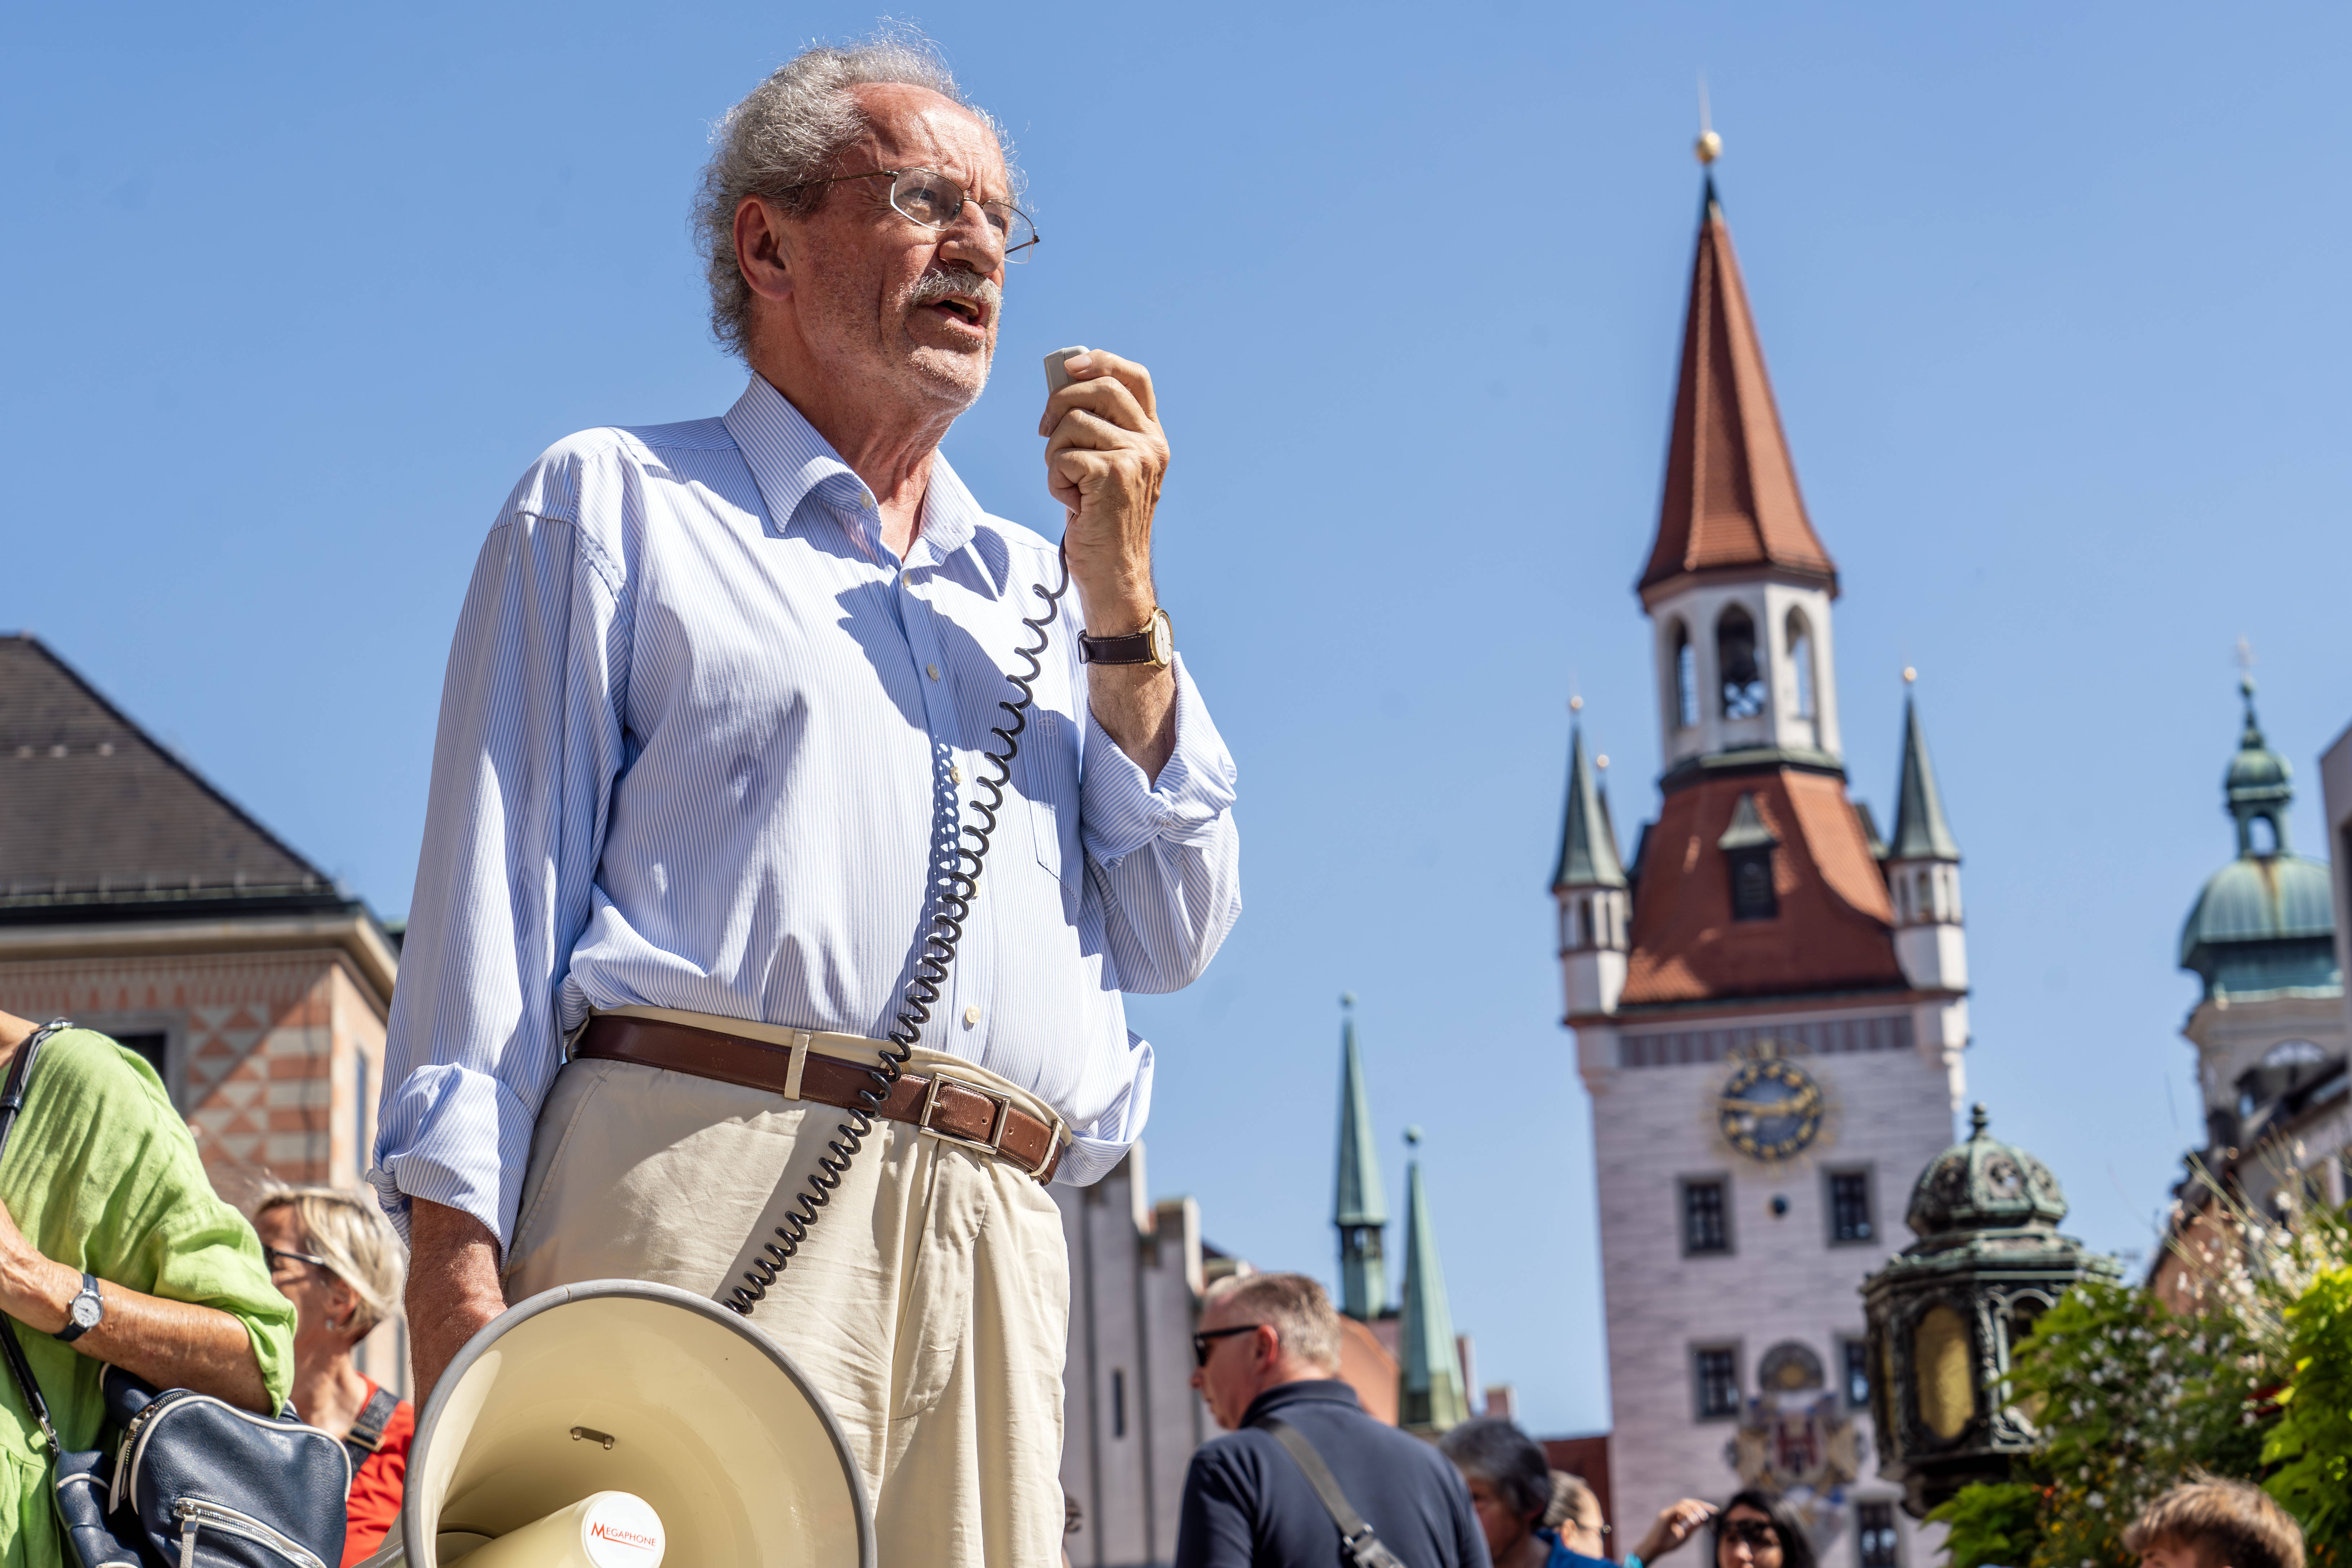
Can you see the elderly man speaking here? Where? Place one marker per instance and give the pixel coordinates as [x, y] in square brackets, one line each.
[714, 742]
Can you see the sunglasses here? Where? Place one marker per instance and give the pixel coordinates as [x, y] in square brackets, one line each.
[1752, 1532]
[274, 1255]
[1202, 1344]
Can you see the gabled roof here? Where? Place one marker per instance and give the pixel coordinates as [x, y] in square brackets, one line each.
[98, 820]
[1920, 831]
[1833, 930]
[1588, 843]
[1731, 499]
[1360, 1198]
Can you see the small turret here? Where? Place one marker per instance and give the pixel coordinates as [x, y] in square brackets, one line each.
[1589, 884]
[1360, 1206]
[1922, 870]
[1432, 1397]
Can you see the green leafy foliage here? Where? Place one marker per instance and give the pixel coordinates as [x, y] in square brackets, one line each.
[1993, 1525]
[2312, 1441]
[2131, 1399]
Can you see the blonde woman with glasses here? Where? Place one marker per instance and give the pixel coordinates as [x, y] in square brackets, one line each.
[335, 1257]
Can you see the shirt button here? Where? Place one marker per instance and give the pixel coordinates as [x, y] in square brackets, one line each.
[935, 672]
[865, 498]
[970, 1017]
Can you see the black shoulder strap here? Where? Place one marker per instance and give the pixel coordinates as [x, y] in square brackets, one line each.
[12, 1102]
[366, 1435]
[1363, 1547]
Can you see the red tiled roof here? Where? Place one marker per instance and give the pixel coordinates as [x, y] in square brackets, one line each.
[1833, 930]
[1731, 497]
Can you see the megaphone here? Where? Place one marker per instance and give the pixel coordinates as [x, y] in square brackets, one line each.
[619, 1423]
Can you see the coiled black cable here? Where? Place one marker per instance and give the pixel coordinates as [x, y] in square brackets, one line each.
[961, 885]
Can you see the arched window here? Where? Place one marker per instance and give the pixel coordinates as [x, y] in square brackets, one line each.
[2262, 836]
[1801, 659]
[1927, 897]
[1735, 657]
[1584, 923]
[1686, 678]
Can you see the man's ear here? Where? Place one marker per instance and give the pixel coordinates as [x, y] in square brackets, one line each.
[763, 247]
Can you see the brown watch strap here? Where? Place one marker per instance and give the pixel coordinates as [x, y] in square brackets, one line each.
[938, 1104]
[1133, 648]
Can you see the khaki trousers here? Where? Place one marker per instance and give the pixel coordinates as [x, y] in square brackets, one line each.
[929, 1302]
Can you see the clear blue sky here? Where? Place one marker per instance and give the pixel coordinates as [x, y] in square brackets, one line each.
[2051, 298]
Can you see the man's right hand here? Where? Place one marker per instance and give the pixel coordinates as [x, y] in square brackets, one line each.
[453, 1288]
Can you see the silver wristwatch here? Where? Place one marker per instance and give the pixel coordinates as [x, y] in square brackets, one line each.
[83, 1314]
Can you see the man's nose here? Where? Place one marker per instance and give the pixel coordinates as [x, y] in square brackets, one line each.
[974, 240]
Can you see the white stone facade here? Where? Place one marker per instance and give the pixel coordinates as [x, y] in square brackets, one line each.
[1130, 1417]
[1800, 672]
[1887, 1113]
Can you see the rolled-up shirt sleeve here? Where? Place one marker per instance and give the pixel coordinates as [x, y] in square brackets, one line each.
[529, 744]
[1164, 852]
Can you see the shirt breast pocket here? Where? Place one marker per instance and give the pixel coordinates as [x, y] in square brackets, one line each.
[1049, 754]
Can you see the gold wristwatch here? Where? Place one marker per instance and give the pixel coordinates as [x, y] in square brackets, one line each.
[1155, 645]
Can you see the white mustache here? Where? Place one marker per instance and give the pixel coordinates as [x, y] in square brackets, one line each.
[961, 285]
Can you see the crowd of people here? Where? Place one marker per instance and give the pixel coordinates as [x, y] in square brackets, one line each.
[106, 1196]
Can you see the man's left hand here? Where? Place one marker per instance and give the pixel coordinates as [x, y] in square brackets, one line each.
[1105, 455]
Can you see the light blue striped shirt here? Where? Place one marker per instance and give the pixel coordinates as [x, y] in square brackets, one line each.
[700, 737]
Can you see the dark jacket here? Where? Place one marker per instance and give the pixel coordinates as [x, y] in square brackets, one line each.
[1247, 1502]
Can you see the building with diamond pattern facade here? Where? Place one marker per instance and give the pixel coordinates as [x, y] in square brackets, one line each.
[138, 899]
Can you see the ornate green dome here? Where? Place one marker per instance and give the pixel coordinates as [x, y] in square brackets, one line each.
[1983, 1183]
[2266, 921]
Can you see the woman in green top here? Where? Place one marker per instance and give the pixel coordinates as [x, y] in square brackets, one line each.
[101, 1177]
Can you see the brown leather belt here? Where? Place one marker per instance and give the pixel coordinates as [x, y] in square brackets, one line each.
[946, 1107]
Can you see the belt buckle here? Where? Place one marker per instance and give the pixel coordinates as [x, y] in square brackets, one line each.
[1003, 1103]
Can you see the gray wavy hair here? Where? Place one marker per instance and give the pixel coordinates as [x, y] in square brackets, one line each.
[794, 128]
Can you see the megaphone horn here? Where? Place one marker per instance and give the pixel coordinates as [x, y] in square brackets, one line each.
[616, 1424]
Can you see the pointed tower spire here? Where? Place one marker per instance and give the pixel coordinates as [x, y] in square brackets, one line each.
[1731, 497]
[1432, 1397]
[1588, 850]
[1920, 831]
[1923, 869]
[1589, 883]
[1359, 1207]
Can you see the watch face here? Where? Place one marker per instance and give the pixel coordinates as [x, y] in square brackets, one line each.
[1769, 1110]
[1163, 638]
[86, 1311]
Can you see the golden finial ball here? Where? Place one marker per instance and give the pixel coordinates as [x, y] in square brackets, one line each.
[1602, 762]
[1576, 704]
[1909, 674]
[1710, 147]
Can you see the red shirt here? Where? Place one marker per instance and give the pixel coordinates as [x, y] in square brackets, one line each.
[375, 1501]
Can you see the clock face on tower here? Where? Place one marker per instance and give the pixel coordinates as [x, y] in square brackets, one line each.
[1769, 1110]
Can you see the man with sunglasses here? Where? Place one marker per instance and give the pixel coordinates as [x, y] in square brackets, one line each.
[717, 727]
[1266, 1362]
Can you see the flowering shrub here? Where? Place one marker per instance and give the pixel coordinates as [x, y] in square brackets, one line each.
[2130, 1398]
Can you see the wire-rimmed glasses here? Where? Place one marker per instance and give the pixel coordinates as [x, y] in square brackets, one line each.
[929, 197]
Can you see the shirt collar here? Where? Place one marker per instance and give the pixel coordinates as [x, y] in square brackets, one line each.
[1282, 1394]
[790, 461]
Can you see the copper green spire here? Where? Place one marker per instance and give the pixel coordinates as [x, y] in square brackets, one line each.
[1920, 831]
[1587, 844]
[1431, 1398]
[1360, 1206]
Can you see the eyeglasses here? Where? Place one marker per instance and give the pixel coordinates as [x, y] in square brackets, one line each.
[1755, 1533]
[276, 1254]
[929, 197]
[1201, 1345]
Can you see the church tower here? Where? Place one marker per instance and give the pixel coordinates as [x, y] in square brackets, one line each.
[1432, 1396]
[1771, 1039]
[1359, 1207]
